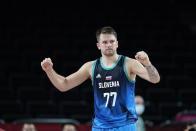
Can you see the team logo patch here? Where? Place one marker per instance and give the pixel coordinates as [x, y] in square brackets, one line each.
[98, 76]
[108, 78]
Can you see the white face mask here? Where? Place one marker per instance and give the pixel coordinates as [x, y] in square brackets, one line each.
[140, 109]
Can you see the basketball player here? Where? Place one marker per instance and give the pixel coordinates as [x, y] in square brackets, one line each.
[113, 80]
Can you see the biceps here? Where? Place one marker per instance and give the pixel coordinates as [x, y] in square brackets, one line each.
[143, 74]
[141, 71]
[76, 78]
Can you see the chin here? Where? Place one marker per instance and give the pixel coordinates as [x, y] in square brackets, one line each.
[109, 54]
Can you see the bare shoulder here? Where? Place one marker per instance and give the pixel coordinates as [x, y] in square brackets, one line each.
[132, 65]
[131, 61]
[129, 64]
[89, 65]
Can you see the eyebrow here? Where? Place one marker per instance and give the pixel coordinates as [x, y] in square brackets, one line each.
[109, 40]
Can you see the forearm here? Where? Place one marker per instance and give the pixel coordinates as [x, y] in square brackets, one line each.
[57, 80]
[153, 74]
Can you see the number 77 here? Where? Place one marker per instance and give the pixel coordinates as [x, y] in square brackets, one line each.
[107, 95]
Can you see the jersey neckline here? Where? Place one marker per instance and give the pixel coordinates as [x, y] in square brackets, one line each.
[110, 68]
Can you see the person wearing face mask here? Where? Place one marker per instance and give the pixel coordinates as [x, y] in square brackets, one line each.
[139, 104]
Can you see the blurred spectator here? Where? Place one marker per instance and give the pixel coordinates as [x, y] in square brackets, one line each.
[69, 127]
[1, 129]
[29, 127]
[140, 107]
[191, 127]
[186, 116]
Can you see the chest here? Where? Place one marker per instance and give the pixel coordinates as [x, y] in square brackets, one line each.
[108, 75]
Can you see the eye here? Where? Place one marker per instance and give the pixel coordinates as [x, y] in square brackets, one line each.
[112, 41]
[104, 42]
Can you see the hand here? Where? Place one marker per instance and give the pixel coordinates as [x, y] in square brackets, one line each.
[142, 57]
[47, 64]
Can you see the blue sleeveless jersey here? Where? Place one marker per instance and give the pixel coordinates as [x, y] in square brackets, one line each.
[114, 97]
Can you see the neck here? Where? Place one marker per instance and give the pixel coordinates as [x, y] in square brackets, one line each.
[108, 60]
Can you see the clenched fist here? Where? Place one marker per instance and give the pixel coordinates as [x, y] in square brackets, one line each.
[143, 58]
[47, 64]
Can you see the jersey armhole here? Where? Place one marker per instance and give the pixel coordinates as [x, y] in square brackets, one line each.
[125, 71]
[93, 70]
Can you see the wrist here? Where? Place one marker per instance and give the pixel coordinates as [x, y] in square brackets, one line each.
[148, 64]
[49, 71]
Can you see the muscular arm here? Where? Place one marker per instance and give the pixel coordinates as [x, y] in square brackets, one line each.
[148, 73]
[66, 83]
[153, 74]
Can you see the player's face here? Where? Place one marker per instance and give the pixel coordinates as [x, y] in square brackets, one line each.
[107, 44]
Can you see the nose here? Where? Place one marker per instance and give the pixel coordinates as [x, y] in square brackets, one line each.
[109, 44]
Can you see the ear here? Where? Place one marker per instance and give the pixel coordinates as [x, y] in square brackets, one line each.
[116, 44]
[98, 46]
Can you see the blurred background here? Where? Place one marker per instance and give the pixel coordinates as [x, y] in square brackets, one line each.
[33, 30]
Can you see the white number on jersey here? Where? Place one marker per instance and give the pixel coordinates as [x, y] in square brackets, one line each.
[108, 95]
